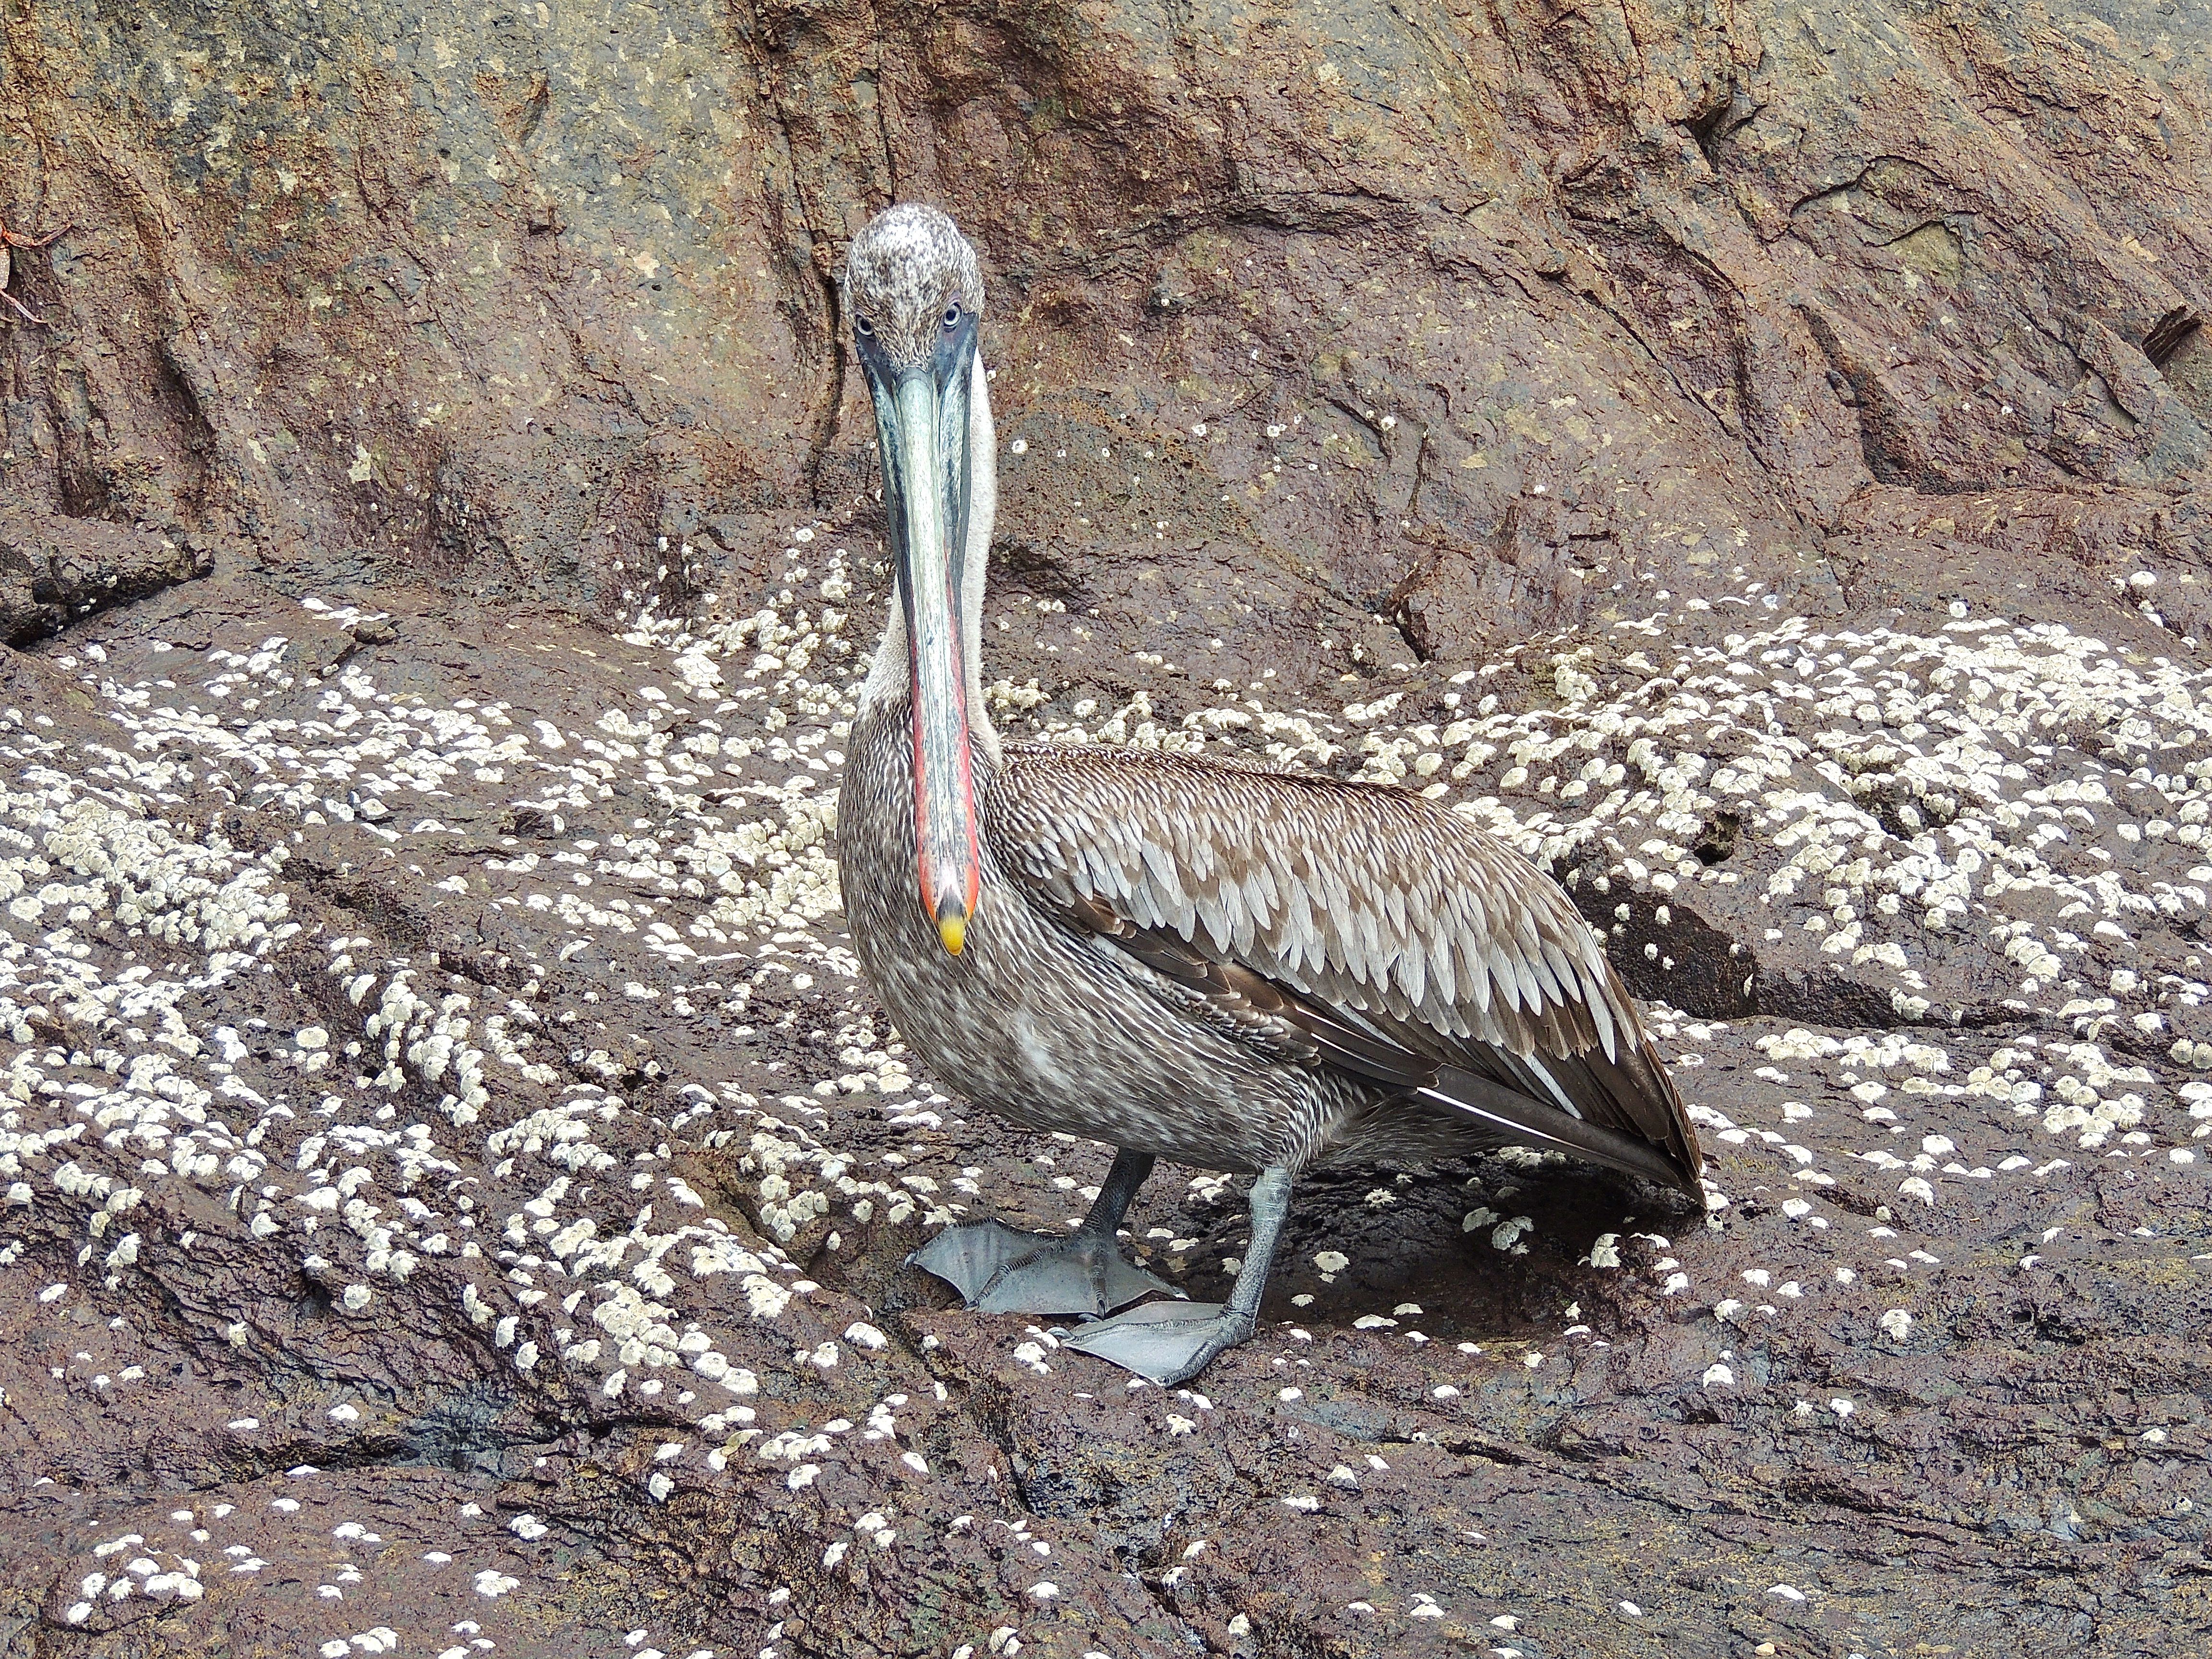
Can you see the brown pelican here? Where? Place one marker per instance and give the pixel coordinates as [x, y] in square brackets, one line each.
[1238, 969]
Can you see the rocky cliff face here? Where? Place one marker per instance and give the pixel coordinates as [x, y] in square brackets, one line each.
[1752, 456]
[1531, 301]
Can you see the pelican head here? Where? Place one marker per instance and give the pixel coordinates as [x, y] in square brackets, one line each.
[915, 294]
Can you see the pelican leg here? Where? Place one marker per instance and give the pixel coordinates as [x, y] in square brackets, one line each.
[1171, 1342]
[997, 1269]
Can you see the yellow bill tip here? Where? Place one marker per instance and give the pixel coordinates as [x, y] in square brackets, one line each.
[953, 931]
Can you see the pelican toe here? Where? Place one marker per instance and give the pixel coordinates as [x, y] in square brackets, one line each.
[1166, 1342]
[997, 1269]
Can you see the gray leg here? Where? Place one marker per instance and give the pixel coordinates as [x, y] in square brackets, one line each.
[1111, 1207]
[999, 1270]
[1171, 1342]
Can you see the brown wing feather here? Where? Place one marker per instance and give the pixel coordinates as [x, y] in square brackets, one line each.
[1323, 1033]
[1400, 941]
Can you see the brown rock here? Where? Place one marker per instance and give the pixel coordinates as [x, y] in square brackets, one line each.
[1608, 365]
[54, 570]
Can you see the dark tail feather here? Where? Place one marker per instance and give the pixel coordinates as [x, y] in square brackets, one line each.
[1636, 1095]
[1531, 1117]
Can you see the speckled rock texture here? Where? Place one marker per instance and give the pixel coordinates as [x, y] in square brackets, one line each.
[453, 1187]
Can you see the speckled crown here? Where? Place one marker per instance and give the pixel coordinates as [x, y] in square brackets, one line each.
[906, 265]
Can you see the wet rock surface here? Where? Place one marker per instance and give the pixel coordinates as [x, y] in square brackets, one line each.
[455, 1189]
[459, 1188]
[55, 570]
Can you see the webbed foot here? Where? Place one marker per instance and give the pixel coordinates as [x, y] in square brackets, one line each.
[1167, 1342]
[997, 1269]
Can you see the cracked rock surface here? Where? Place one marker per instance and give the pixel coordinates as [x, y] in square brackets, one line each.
[55, 569]
[458, 1186]
[453, 1187]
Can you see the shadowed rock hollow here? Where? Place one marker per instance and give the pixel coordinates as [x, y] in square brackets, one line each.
[455, 1188]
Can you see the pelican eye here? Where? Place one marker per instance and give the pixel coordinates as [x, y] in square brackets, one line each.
[865, 326]
[952, 315]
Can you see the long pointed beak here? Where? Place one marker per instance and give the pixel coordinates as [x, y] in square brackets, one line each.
[922, 425]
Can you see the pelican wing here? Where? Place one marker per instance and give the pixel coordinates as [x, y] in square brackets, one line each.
[1396, 939]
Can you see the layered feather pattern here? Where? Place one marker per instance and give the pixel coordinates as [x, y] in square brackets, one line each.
[1401, 943]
